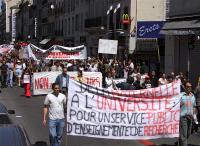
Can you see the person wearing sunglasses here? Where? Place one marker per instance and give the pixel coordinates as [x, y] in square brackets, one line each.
[187, 111]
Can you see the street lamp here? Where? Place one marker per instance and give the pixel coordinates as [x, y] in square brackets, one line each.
[118, 6]
[111, 11]
[52, 6]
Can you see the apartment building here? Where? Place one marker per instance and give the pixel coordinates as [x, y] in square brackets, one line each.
[3, 23]
[85, 22]
[11, 9]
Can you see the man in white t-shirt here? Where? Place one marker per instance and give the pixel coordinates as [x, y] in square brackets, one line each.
[55, 103]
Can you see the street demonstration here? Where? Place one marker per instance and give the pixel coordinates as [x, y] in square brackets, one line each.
[99, 97]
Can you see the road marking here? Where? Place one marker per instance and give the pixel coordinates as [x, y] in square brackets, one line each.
[146, 142]
[18, 116]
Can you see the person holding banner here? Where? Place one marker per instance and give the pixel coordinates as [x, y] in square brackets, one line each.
[79, 76]
[63, 80]
[110, 83]
[187, 112]
[55, 103]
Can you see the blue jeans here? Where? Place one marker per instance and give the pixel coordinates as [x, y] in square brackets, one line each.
[10, 78]
[56, 131]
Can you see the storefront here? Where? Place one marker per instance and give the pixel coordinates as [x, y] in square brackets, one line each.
[182, 39]
[150, 45]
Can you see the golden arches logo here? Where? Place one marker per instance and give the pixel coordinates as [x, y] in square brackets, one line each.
[125, 19]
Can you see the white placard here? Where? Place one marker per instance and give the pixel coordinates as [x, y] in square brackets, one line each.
[26, 79]
[108, 46]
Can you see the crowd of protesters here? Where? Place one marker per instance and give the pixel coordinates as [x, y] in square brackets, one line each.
[15, 71]
[137, 75]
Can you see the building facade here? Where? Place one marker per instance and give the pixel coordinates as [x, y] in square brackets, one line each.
[11, 8]
[182, 38]
[148, 17]
[3, 23]
[85, 22]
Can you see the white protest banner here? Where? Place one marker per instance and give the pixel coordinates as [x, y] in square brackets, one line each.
[135, 114]
[108, 46]
[42, 81]
[64, 55]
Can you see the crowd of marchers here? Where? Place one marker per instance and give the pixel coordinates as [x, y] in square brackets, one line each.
[19, 72]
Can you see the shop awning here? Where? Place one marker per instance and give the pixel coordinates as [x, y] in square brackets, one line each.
[181, 27]
[44, 41]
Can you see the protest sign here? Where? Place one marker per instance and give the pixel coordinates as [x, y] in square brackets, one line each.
[108, 46]
[135, 114]
[42, 81]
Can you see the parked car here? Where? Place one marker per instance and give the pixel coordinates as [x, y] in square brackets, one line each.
[15, 135]
[4, 115]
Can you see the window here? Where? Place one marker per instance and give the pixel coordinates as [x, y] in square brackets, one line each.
[77, 23]
[62, 28]
[82, 23]
[69, 26]
[66, 27]
[73, 27]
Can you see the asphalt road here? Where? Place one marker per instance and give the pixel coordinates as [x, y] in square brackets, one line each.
[29, 115]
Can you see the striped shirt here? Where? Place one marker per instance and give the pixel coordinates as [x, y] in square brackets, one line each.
[187, 104]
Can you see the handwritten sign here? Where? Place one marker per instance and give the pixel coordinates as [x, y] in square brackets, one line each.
[42, 81]
[149, 29]
[135, 114]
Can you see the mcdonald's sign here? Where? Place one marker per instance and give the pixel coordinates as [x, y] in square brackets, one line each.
[125, 19]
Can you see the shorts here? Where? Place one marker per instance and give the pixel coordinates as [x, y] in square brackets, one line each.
[18, 73]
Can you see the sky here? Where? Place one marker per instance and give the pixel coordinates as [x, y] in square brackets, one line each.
[0, 4]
